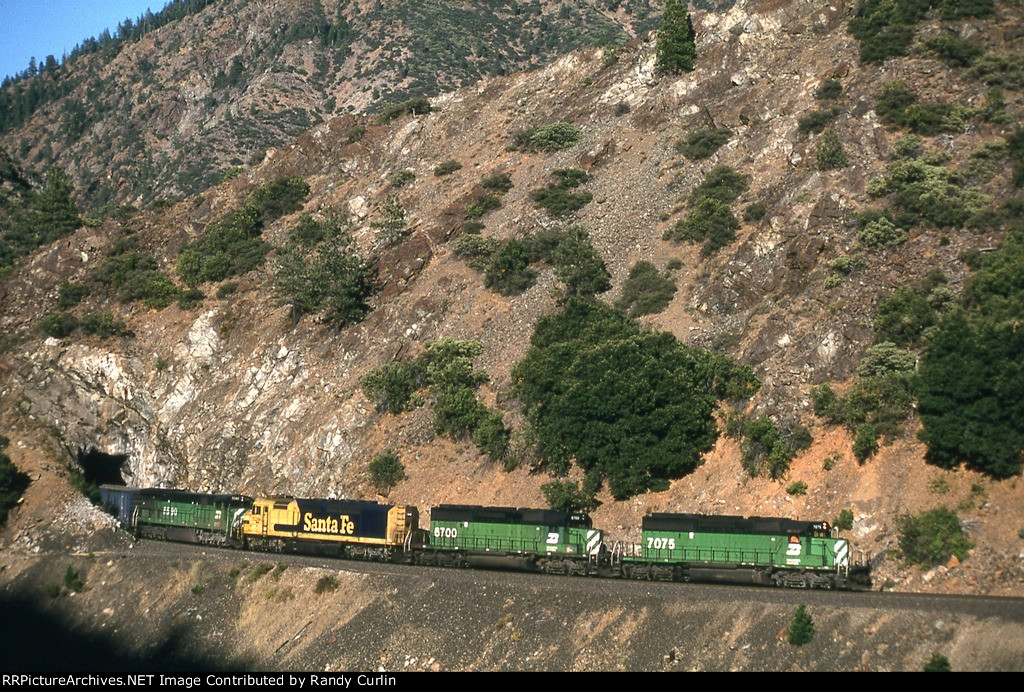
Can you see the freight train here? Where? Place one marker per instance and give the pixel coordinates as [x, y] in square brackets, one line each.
[673, 547]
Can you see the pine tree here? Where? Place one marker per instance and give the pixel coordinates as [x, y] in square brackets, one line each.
[676, 50]
[54, 214]
[801, 627]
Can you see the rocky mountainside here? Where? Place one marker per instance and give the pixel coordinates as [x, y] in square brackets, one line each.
[231, 389]
[166, 112]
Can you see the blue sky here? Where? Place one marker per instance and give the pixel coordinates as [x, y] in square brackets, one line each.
[50, 27]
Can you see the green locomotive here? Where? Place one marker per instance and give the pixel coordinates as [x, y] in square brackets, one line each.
[535, 539]
[758, 550]
[178, 515]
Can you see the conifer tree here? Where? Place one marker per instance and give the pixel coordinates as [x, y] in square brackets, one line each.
[801, 627]
[676, 50]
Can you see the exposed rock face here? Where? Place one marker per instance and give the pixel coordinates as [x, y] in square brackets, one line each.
[231, 397]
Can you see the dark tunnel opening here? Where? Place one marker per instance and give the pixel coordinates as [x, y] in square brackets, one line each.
[101, 469]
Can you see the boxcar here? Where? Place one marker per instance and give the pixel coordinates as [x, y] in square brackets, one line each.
[344, 528]
[751, 550]
[555, 542]
[178, 515]
[119, 501]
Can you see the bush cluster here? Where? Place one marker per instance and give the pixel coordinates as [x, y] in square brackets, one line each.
[710, 220]
[829, 90]
[402, 178]
[969, 386]
[924, 190]
[331, 279]
[134, 276]
[547, 138]
[447, 167]
[386, 470]
[232, 245]
[766, 447]
[418, 105]
[701, 144]
[898, 106]
[560, 197]
[816, 121]
[646, 291]
[886, 28]
[446, 367]
[508, 266]
[630, 407]
[931, 537]
[568, 496]
[830, 153]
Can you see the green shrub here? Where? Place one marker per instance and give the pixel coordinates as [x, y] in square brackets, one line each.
[969, 385]
[418, 105]
[830, 153]
[755, 211]
[796, 488]
[476, 251]
[646, 291]
[190, 299]
[817, 120]
[578, 265]
[567, 496]
[633, 406]
[491, 436]
[498, 183]
[937, 664]
[326, 584]
[848, 264]
[58, 325]
[402, 178]
[102, 324]
[386, 471]
[509, 272]
[231, 246]
[392, 386]
[447, 167]
[69, 295]
[898, 106]
[391, 227]
[931, 537]
[767, 448]
[547, 138]
[801, 627]
[903, 316]
[353, 134]
[558, 198]
[829, 90]
[279, 197]
[953, 51]
[226, 289]
[1000, 69]
[721, 183]
[865, 442]
[880, 233]
[711, 222]
[886, 358]
[701, 144]
[334, 281]
[481, 205]
[844, 521]
[72, 580]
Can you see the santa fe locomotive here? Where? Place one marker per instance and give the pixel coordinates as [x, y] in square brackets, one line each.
[673, 547]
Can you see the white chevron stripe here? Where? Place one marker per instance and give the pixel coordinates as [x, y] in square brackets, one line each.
[842, 553]
[593, 542]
